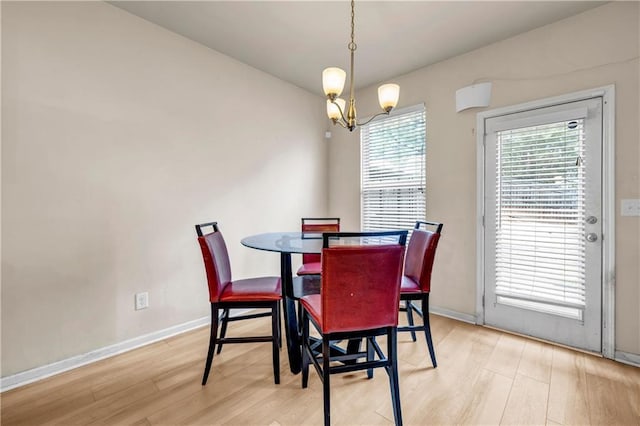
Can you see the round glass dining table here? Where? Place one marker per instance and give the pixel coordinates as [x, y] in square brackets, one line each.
[287, 243]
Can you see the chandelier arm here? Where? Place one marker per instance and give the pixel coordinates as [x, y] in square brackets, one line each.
[341, 112]
[371, 119]
[341, 123]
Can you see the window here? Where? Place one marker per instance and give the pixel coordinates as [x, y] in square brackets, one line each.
[540, 217]
[393, 170]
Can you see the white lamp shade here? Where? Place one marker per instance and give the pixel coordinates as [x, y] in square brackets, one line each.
[388, 95]
[333, 81]
[332, 109]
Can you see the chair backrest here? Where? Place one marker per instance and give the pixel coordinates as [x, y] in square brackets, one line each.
[216, 259]
[318, 224]
[361, 280]
[421, 252]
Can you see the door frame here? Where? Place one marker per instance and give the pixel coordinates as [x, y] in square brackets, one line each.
[608, 201]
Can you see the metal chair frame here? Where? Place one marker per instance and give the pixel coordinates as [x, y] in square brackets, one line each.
[223, 318]
[321, 352]
[423, 297]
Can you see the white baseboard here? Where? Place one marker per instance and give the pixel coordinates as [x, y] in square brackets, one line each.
[444, 312]
[39, 373]
[627, 358]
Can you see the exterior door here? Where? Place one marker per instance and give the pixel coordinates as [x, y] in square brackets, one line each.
[543, 223]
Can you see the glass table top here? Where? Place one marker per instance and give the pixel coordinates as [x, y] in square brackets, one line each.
[286, 242]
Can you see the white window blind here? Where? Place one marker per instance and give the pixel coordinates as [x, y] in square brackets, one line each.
[393, 171]
[540, 197]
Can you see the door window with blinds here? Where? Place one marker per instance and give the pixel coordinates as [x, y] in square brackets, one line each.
[540, 217]
[393, 170]
[542, 209]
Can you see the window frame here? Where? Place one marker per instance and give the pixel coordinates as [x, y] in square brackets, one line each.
[419, 108]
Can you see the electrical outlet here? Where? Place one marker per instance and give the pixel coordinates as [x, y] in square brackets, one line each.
[630, 207]
[142, 300]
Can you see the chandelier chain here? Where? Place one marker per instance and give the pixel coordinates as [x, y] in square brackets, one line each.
[353, 46]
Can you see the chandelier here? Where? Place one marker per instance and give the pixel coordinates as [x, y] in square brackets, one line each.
[333, 80]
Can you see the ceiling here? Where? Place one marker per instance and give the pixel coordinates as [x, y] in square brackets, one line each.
[296, 40]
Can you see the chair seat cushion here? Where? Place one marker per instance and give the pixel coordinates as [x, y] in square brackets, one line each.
[313, 304]
[313, 268]
[252, 290]
[408, 285]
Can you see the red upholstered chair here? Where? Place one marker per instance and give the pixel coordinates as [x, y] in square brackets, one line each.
[359, 299]
[416, 281]
[225, 294]
[311, 262]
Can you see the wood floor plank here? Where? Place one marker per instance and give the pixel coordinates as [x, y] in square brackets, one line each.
[128, 376]
[625, 379]
[228, 403]
[609, 395]
[633, 380]
[39, 413]
[489, 395]
[441, 395]
[567, 402]
[151, 404]
[527, 403]
[483, 376]
[102, 408]
[184, 373]
[535, 361]
[290, 394]
[506, 355]
[73, 381]
[345, 407]
[417, 353]
[293, 395]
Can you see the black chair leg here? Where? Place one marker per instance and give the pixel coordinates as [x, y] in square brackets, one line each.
[326, 390]
[275, 335]
[369, 356]
[279, 325]
[427, 328]
[409, 307]
[212, 342]
[392, 354]
[353, 346]
[224, 319]
[299, 312]
[305, 350]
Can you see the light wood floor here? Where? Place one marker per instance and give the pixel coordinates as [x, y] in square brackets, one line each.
[483, 377]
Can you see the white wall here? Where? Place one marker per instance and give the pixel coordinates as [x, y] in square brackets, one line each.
[596, 48]
[117, 137]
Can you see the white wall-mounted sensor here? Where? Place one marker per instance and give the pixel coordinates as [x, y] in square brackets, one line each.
[474, 96]
[327, 134]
